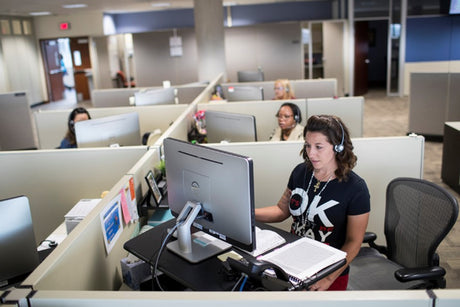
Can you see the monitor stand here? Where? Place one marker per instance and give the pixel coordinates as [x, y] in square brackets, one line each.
[200, 247]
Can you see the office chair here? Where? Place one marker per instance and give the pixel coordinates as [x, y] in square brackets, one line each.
[419, 214]
[122, 82]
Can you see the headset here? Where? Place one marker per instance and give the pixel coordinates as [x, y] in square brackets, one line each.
[295, 110]
[73, 114]
[339, 147]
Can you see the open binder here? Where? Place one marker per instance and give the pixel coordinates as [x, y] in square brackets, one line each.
[304, 258]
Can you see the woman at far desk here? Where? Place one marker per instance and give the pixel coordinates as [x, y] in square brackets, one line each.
[77, 114]
[283, 90]
[328, 202]
[289, 127]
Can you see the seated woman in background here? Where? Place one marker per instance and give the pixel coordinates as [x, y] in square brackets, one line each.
[289, 127]
[283, 90]
[78, 114]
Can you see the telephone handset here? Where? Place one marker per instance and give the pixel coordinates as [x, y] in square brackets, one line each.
[255, 268]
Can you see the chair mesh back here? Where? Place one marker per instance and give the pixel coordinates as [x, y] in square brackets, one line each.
[419, 214]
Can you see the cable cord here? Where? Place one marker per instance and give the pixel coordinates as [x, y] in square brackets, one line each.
[238, 281]
[160, 251]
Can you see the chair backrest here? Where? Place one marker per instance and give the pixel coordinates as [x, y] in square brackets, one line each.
[419, 214]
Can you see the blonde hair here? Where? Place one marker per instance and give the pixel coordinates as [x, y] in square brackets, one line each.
[288, 90]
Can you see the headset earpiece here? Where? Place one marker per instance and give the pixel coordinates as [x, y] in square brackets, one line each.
[339, 147]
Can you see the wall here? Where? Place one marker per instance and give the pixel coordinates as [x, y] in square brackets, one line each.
[276, 48]
[153, 62]
[432, 45]
[20, 68]
[88, 24]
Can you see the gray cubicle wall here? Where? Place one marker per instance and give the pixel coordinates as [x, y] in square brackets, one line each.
[81, 262]
[55, 180]
[120, 97]
[52, 125]
[304, 88]
[413, 298]
[433, 101]
[17, 130]
[349, 109]
[378, 163]
[264, 112]
[184, 123]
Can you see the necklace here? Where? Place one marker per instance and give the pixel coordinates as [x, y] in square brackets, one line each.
[318, 183]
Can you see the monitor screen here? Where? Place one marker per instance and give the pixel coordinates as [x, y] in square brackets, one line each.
[230, 127]
[18, 248]
[155, 96]
[122, 130]
[454, 7]
[244, 93]
[222, 184]
[250, 76]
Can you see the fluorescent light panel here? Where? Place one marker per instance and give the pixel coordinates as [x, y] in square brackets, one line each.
[39, 13]
[74, 6]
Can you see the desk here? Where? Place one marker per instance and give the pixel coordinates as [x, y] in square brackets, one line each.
[206, 275]
[450, 170]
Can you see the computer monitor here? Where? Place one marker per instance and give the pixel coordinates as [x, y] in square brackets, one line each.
[216, 185]
[230, 127]
[18, 249]
[250, 76]
[122, 130]
[244, 93]
[155, 96]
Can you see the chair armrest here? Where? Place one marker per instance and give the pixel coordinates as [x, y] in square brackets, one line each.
[425, 273]
[369, 238]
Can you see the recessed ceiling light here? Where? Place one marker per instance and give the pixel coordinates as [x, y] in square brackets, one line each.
[74, 6]
[39, 13]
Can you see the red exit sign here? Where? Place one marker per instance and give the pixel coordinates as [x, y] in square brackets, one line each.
[64, 26]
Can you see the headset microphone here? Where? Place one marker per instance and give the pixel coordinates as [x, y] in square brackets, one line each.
[339, 147]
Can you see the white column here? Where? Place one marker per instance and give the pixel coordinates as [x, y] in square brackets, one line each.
[209, 31]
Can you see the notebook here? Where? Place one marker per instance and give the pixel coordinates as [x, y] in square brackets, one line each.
[303, 258]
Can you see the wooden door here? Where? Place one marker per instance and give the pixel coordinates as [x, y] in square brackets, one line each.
[53, 71]
[79, 47]
[361, 58]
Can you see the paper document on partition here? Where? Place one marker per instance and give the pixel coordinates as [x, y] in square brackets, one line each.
[304, 257]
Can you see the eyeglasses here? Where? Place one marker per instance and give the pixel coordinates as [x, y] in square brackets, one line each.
[283, 116]
[278, 88]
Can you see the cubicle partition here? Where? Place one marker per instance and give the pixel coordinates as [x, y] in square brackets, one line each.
[378, 163]
[264, 112]
[52, 124]
[81, 261]
[304, 88]
[120, 97]
[55, 180]
[184, 123]
[349, 109]
[414, 298]
[16, 129]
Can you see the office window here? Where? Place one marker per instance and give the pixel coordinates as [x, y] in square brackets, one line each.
[5, 27]
[16, 25]
[27, 27]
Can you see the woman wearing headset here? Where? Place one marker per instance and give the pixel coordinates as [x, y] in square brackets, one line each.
[283, 90]
[77, 114]
[328, 202]
[289, 127]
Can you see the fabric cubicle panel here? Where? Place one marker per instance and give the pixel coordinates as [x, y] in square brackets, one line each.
[378, 163]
